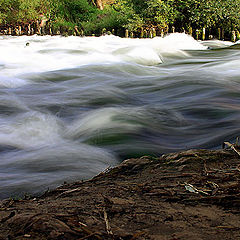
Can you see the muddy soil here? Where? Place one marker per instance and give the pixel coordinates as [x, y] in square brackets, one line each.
[188, 195]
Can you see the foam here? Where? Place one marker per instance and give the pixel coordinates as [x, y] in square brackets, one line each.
[31, 129]
[12, 82]
[100, 120]
[46, 53]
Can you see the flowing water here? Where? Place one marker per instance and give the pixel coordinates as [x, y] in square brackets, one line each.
[71, 107]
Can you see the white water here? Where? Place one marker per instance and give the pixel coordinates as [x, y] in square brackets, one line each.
[49, 53]
[71, 107]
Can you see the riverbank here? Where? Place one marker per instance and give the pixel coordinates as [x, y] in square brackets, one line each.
[187, 195]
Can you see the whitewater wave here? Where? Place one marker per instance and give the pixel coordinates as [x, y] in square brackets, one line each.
[47, 53]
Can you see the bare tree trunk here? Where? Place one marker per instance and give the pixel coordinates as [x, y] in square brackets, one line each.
[99, 4]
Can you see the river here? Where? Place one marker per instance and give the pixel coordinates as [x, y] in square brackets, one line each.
[70, 107]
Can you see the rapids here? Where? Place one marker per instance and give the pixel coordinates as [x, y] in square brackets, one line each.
[71, 107]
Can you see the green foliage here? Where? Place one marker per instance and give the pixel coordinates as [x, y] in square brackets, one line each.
[130, 14]
[65, 14]
[21, 11]
[154, 12]
[8, 10]
[30, 9]
[72, 10]
[126, 9]
[207, 13]
[60, 24]
[108, 19]
[143, 13]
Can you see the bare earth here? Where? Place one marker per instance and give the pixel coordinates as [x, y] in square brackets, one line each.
[189, 195]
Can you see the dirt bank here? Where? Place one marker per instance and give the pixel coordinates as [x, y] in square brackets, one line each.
[189, 195]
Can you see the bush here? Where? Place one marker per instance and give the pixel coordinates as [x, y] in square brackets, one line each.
[62, 25]
[107, 19]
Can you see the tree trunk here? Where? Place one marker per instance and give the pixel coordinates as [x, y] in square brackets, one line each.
[99, 4]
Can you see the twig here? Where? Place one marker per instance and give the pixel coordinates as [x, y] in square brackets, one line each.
[191, 188]
[226, 170]
[204, 163]
[108, 228]
[83, 224]
[232, 146]
[205, 168]
[136, 235]
[228, 227]
[12, 214]
[91, 235]
[88, 231]
[69, 191]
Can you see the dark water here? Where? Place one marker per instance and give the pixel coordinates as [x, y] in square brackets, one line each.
[71, 107]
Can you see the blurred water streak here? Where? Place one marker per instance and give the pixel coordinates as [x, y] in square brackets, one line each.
[71, 107]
